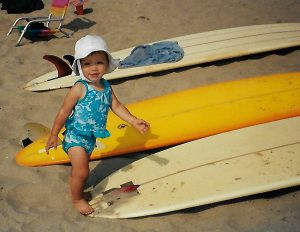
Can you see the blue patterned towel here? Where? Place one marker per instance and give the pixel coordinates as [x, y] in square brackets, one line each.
[157, 53]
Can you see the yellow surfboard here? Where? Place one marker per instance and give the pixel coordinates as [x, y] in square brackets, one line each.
[187, 115]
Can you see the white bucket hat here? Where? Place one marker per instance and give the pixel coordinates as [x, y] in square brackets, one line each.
[87, 45]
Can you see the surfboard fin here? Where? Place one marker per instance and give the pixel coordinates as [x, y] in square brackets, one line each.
[26, 142]
[63, 69]
[69, 58]
[125, 188]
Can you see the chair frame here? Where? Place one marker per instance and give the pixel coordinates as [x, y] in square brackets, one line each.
[44, 19]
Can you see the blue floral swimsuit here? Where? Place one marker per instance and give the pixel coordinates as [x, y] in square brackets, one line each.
[88, 120]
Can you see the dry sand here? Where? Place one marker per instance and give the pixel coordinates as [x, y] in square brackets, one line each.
[37, 199]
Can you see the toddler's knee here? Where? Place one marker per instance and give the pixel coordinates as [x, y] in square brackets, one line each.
[80, 173]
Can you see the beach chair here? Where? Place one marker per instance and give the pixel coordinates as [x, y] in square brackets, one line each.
[40, 26]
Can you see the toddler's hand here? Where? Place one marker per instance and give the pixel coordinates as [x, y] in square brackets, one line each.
[51, 143]
[141, 125]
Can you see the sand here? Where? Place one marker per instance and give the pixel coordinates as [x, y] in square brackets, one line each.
[37, 199]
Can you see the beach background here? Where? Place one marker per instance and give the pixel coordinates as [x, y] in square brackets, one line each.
[37, 199]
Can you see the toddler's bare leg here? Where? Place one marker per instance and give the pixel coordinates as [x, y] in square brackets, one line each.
[79, 174]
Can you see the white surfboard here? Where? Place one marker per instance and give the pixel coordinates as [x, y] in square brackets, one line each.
[230, 165]
[198, 48]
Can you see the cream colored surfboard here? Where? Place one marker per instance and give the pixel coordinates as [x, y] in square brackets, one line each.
[34, 130]
[230, 165]
[198, 48]
[187, 115]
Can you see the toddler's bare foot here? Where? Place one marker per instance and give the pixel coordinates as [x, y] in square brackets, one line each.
[83, 207]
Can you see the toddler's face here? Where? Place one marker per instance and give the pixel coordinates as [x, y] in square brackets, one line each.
[94, 66]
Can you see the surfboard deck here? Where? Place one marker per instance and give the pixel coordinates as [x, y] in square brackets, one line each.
[198, 48]
[230, 165]
[187, 115]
